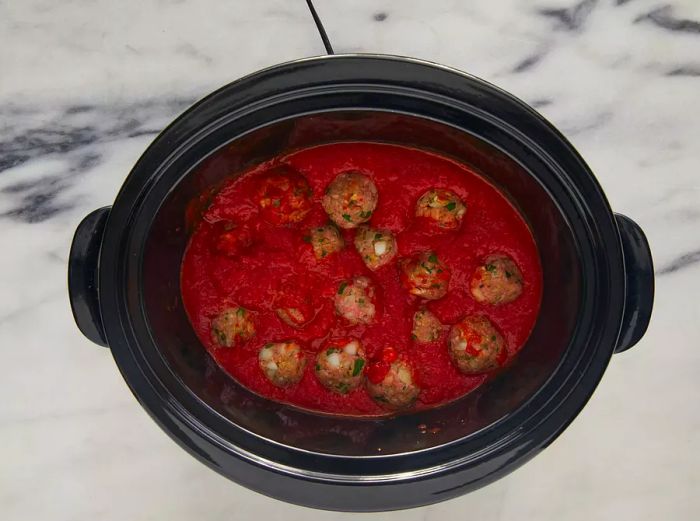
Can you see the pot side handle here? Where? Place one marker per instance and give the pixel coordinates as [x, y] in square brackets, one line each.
[639, 270]
[83, 268]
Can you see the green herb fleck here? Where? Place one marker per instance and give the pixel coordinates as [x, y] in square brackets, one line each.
[306, 238]
[433, 258]
[490, 267]
[426, 268]
[343, 285]
[493, 338]
[276, 203]
[318, 367]
[366, 214]
[220, 336]
[268, 346]
[451, 206]
[413, 336]
[332, 350]
[359, 364]
[347, 217]
[240, 312]
[343, 388]
[377, 236]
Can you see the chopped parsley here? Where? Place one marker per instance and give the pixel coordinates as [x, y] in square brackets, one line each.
[426, 268]
[347, 217]
[490, 267]
[451, 206]
[359, 364]
[433, 258]
[332, 350]
[318, 367]
[377, 236]
[240, 312]
[366, 214]
[276, 203]
[342, 287]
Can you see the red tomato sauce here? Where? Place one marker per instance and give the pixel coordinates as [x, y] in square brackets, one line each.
[274, 267]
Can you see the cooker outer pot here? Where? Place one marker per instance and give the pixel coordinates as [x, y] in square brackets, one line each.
[97, 283]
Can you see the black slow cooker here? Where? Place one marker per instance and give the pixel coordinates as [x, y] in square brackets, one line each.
[597, 269]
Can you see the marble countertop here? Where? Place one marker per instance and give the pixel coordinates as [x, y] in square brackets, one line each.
[85, 86]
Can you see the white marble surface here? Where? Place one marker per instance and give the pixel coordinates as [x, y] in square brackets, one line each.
[84, 86]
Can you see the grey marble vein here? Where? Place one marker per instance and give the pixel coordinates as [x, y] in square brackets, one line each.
[681, 262]
[664, 18]
[685, 70]
[571, 18]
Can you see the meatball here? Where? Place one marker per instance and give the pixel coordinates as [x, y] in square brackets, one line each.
[356, 300]
[284, 196]
[376, 247]
[340, 366]
[282, 362]
[324, 240]
[232, 239]
[425, 276]
[426, 326]
[296, 317]
[390, 381]
[232, 326]
[350, 199]
[442, 206]
[475, 345]
[497, 281]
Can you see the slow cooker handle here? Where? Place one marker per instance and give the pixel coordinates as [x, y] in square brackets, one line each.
[639, 270]
[83, 266]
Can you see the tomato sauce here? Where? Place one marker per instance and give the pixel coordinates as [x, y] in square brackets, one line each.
[274, 267]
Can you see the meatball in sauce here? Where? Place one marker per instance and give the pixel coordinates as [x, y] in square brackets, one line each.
[232, 326]
[442, 207]
[350, 199]
[284, 196]
[497, 281]
[325, 240]
[391, 381]
[355, 300]
[425, 276]
[476, 346]
[426, 327]
[282, 363]
[340, 365]
[376, 247]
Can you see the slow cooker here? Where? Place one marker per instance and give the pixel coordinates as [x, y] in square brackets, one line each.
[597, 274]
